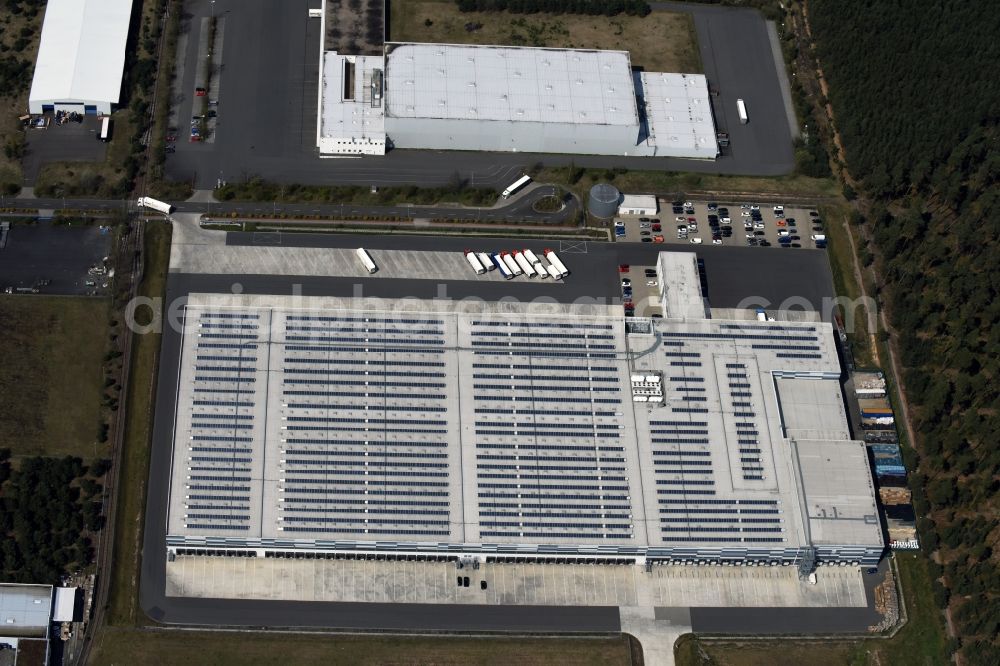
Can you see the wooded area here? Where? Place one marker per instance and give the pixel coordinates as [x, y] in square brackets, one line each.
[917, 102]
[48, 509]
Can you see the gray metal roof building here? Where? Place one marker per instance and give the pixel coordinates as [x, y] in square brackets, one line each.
[25, 610]
[510, 99]
[498, 431]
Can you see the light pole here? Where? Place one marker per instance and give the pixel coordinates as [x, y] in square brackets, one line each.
[213, 10]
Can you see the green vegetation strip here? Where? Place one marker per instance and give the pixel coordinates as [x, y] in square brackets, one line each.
[458, 191]
[124, 589]
[166, 648]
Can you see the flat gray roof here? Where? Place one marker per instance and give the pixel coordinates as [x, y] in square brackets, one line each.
[358, 117]
[321, 423]
[680, 286]
[25, 609]
[524, 84]
[679, 114]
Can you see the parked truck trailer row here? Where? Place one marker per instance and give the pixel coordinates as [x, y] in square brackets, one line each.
[517, 262]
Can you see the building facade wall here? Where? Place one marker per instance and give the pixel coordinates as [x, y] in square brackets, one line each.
[510, 136]
[38, 106]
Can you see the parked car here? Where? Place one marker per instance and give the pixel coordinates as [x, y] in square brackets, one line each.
[657, 239]
[644, 233]
[626, 282]
[200, 92]
[696, 241]
[623, 268]
[657, 227]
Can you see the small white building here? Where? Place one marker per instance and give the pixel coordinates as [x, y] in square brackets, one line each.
[638, 204]
[81, 56]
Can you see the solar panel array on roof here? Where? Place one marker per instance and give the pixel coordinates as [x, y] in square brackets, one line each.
[343, 429]
[220, 458]
[364, 451]
[550, 454]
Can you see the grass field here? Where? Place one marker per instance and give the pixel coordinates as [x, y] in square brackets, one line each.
[689, 651]
[668, 182]
[920, 642]
[659, 42]
[842, 265]
[135, 455]
[190, 648]
[51, 377]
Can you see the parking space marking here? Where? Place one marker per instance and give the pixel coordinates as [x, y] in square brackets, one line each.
[573, 247]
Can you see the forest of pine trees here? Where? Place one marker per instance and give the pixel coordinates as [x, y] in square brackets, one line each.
[916, 95]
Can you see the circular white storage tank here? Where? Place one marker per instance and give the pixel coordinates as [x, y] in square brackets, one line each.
[604, 200]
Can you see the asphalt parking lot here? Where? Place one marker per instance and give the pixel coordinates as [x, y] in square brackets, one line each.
[737, 54]
[70, 142]
[53, 259]
[771, 276]
[702, 226]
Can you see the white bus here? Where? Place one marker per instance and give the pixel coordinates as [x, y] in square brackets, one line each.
[741, 108]
[159, 206]
[515, 186]
[366, 260]
[105, 134]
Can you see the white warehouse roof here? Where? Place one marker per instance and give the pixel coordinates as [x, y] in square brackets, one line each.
[679, 114]
[505, 83]
[82, 51]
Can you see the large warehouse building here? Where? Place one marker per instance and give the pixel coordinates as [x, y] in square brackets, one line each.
[81, 56]
[499, 431]
[510, 99]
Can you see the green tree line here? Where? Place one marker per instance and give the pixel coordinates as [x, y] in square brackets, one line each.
[591, 7]
[917, 101]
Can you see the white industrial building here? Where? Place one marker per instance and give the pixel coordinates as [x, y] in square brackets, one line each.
[510, 99]
[501, 430]
[81, 56]
[638, 204]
